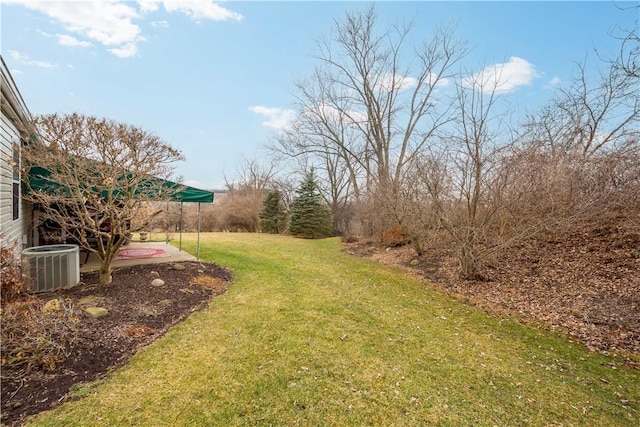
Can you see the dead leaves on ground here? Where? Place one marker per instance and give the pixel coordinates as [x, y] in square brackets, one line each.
[585, 282]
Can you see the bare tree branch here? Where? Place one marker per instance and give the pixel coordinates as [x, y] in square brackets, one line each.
[93, 177]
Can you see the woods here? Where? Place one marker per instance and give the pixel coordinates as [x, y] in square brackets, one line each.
[411, 146]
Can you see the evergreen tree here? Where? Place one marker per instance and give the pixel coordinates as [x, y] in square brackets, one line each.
[273, 217]
[310, 215]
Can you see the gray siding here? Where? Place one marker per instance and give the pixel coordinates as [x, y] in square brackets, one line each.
[10, 230]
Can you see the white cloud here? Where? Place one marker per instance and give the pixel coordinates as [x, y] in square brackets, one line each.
[388, 81]
[111, 22]
[277, 118]
[555, 81]
[125, 51]
[399, 83]
[333, 114]
[108, 22]
[147, 6]
[200, 9]
[160, 24]
[67, 40]
[194, 9]
[504, 77]
[20, 57]
[433, 79]
[15, 71]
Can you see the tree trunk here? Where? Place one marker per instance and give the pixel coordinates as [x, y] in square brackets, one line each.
[469, 261]
[104, 275]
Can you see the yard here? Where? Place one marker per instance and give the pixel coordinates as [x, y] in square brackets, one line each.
[307, 334]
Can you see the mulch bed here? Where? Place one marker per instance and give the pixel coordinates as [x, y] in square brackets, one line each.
[585, 282]
[139, 313]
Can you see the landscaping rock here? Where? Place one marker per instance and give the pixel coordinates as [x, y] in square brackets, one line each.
[157, 282]
[149, 312]
[89, 299]
[154, 274]
[178, 267]
[51, 306]
[414, 262]
[95, 312]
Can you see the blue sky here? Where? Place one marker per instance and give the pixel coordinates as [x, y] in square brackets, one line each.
[216, 79]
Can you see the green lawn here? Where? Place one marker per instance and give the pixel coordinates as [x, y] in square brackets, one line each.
[308, 335]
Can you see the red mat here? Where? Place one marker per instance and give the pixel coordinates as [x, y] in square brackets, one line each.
[139, 252]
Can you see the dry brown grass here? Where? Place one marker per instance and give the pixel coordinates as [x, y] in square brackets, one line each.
[216, 284]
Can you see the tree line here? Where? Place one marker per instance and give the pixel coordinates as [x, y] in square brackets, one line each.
[413, 148]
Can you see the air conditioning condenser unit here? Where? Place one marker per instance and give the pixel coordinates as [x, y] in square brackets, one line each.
[51, 267]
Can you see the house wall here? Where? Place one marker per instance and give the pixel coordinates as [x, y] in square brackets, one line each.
[15, 126]
[11, 230]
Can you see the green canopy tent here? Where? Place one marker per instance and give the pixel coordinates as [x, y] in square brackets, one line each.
[39, 180]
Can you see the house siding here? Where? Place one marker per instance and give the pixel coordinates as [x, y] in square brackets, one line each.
[11, 230]
[15, 126]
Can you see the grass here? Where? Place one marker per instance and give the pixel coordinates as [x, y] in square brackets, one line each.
[153, 237]
[308, 335]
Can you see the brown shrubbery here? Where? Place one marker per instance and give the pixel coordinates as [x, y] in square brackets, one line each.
[35, 333]
[12, 280]
[394, 236]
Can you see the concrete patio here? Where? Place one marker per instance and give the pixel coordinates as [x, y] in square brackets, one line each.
[175, 255]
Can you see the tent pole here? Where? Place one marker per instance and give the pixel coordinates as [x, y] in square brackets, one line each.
[181, 226]
[166, 225]
[198, 246]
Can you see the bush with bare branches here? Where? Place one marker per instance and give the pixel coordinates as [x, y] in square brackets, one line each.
[36, 334]
[12, 280]
[93, 177]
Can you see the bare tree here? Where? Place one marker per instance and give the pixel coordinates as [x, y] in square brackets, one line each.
[337, 186]
[373, 105]
[93, 178]
[414, 210]
[243, 202]
[597, 116]
[324, 140]
[465, 176]
[253, 175]
[584, 146]
[628, 59]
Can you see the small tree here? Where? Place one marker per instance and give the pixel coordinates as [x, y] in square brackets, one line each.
[273, 217]
[310, 215]
[93, 178]
[241, 206]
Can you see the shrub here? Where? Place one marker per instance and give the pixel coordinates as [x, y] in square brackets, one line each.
[34, 337]
[12, 280]
[394, 237]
